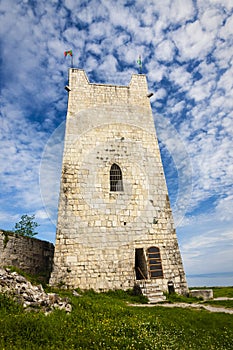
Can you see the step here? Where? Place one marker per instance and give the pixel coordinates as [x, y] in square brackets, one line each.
[152, 291]
[148, 283]
[155, 293]
[154, 300]
[149, 286]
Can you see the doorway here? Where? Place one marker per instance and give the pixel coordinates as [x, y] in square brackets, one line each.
[140, 264]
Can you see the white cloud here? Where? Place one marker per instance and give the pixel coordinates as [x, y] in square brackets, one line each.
[226, 31]
[110, 63]
[206, 245]
[211, 20]
[223, 3]
[159, 94]
[41, 215]
[200, 91]
[182, 162]
[181, 77]
[6, 218]
[225, 83]
[122, 16]
[192, 41]
[224, 208]
[181, 11]
[156, 72]
[165, 51]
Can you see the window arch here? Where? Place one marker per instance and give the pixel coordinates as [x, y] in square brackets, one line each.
[116, 183]
[155, 263]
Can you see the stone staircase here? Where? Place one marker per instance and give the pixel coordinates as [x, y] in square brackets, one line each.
[151, 290]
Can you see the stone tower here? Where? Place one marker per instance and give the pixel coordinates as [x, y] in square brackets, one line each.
[115, 227]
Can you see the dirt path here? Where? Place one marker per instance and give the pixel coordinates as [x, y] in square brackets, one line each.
[190, 306]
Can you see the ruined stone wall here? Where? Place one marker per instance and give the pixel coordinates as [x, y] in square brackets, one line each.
[98, 230]
[29, 254]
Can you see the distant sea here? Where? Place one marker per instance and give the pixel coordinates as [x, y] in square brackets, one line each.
[220, 279]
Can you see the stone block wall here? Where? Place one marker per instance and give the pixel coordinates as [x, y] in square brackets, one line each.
[29, 254]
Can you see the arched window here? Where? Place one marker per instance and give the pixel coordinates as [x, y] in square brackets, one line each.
[155, 263]
[116, 183]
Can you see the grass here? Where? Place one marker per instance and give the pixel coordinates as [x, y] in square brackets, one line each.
[228, 304]
[106, 321]
[223, 292]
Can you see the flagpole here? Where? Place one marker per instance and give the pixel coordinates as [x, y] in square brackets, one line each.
[139, 61]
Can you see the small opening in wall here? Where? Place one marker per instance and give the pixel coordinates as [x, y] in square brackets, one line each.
[140, 264]
[124, 223]
[171, 288]
[116, 182]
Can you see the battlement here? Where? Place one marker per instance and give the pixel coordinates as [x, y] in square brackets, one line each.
[79, 77]
[83, 94]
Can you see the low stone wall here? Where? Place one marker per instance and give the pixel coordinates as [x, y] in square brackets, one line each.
[205, 294]
[29, 254]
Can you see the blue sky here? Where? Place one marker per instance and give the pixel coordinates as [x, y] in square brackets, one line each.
[187, 53]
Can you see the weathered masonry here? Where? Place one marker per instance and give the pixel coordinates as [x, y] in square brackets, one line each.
[115, 227]
[27, 253]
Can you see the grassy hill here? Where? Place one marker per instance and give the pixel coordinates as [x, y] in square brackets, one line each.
[107, 321]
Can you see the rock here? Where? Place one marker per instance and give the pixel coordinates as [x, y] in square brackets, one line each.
[76, 294]
[31, 297]
[19, 278]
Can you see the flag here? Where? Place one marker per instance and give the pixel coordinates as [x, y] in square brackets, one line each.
[139, 61]
[68, 53]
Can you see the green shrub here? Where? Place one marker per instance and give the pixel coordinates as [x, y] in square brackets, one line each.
[9, 306]
[177, 298]
[128, 295]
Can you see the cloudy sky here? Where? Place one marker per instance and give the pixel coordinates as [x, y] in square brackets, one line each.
[187, 53]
